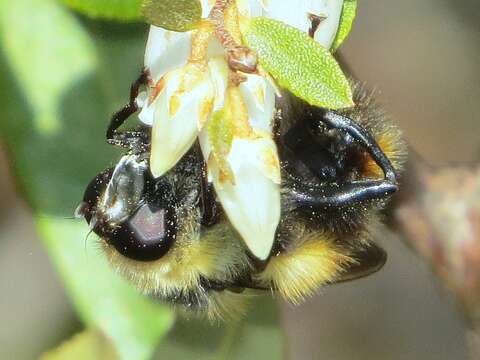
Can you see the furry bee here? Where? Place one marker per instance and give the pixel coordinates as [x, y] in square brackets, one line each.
[171, 239]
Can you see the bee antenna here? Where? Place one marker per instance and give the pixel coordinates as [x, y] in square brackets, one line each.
[45, 216]
[86, 238]
[92, 224]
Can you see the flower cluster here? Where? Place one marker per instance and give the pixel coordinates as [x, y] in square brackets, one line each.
[195, 93]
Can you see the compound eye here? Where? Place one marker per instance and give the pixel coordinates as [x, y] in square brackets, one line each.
[92, 194]
[149, 232]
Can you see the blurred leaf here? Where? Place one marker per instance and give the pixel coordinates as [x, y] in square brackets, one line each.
[46, 162]
[53, 168]
[90, 77]
[123, 10]
[34, 50]
[175, 15]
[133, 322]
[89, 344]
[346, 21]
[259, 336]
[298, 63]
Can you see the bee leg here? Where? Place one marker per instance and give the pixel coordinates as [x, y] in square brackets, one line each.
[340, 122]
[136, 141]
[208, 204]
[337, 195]
[132, 140]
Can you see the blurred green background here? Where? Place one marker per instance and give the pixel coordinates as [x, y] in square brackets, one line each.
[63, 74]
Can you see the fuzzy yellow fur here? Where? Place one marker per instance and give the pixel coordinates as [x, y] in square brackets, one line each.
[217, 256]
[310, 260]
[222, 306]
[313, 261]
[388, 136]
[392, 145]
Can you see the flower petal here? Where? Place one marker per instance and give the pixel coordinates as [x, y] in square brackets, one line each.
[180, 110]
[147, 111]
[219, 73]
[250, 8]
[252, 204]
[259, 96]
[298, 16]
[252, 163]
[165, 51]
[206, 7]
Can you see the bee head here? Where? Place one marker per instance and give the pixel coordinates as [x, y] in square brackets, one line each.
[131, 211]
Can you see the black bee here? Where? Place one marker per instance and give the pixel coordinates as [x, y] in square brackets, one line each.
[171, 239]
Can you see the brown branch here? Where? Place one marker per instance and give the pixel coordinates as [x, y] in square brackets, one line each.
[438, 214]
[239, 57]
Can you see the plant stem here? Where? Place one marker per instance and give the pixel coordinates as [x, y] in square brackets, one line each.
[240, 58]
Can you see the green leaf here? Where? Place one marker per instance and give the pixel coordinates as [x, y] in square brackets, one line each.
[56, 141]
[259, 336]
[298, 63]
[133, 322]
[346, 21]
[122, 10]
[89, 344]
[33, 46]
[175, 15]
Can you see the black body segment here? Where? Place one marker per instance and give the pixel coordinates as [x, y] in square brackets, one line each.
[331, 164]
[170, 237]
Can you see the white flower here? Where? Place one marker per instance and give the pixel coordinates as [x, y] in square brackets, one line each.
[252, 200]
[298, 15]
[182, 108]
[252, 203]
[184, 94]
[168, 50]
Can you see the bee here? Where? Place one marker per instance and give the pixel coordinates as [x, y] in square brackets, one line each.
[170, 237]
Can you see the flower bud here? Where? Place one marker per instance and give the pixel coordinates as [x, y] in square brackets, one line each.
[182, 107]
[252, 202]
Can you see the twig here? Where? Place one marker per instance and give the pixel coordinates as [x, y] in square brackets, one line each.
[240, 58]
[438, 214]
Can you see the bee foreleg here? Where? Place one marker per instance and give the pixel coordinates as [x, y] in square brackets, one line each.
[340, 122]
[334, 195]
[133, 140]
[136, 141]
[208, 205]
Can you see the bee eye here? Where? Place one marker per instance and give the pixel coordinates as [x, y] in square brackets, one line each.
[131, 211]
[146, 235]
[149, 232]
[92, 194]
